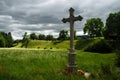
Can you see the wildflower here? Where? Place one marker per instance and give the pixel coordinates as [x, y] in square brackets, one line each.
[81, 71]
[87, 75]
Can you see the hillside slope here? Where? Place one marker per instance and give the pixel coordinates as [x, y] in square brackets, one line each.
[42, 44]
[82, 44]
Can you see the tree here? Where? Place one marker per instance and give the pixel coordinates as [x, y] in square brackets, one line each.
[2, 41]
[112, 28]
[94, 27]
[49, 37]
[24, 36]
[5, 38]
[33, 36]
[63, 35]
[10, 40]
[41, 37]
[25, 40]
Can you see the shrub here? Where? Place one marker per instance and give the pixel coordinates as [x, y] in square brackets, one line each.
[101, 47]
[117, 58]
[45, 48]
[115, 43]
[38, 47]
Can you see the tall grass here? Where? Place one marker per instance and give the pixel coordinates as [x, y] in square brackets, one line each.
[29, 64]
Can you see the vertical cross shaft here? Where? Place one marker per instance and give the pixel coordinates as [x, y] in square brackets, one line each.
[71, 29]
[72, 55]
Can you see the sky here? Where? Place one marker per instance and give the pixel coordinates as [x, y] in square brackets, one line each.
[44, 16]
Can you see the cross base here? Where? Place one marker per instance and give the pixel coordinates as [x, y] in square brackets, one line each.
[71, 68]
[71, 61]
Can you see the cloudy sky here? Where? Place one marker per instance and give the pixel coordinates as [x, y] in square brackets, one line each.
[44, 16]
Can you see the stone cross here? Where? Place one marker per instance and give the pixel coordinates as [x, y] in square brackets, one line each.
[72, 55]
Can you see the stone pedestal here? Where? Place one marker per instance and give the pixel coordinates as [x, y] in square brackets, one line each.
[72, 66]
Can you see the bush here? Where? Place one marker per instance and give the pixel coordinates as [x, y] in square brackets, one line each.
[101, 47]
[115, 43]
[118, 58]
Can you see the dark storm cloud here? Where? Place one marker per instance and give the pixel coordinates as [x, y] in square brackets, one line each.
[19, 16]
[42, 27]
[5, 22]
[36, 19]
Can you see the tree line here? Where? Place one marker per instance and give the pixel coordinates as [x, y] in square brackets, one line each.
[63, 35]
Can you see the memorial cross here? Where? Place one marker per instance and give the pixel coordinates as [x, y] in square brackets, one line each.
[72, 55]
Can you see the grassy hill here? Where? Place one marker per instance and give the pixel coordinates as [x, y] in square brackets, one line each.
[43, 44]
[84, 43]
[91, 45]
[29, 64]
[48, 44]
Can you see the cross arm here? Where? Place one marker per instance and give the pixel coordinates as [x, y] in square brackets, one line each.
[78, 18]
[64, 20]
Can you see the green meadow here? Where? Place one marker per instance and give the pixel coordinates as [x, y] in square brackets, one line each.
[36, 64]
[46, 60]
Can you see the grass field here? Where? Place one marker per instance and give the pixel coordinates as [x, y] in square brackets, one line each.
[30, 64]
